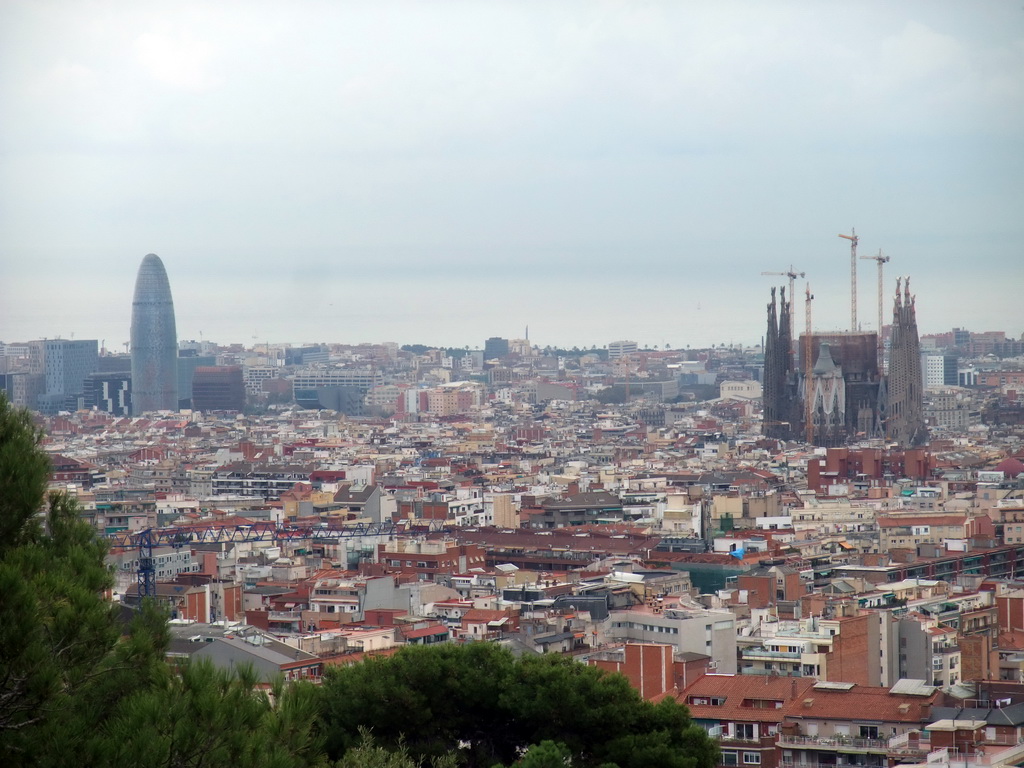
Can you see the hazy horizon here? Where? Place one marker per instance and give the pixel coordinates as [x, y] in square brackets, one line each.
[440, 173]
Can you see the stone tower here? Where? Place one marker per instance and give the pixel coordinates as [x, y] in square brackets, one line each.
[905, 414]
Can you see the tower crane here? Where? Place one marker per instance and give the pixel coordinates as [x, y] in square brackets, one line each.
[791, 275]
[880, 260]
[852, 237]
[808, 370]
[143, 542]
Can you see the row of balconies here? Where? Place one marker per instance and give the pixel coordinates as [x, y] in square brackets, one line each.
[835, 742]
[794, 764]
[758, 653]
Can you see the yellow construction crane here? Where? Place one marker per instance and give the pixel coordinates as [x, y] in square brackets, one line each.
[852, 237]
[791, 275]
[880, 259]
[808, 370]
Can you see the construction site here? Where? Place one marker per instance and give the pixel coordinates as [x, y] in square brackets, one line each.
[835, 387]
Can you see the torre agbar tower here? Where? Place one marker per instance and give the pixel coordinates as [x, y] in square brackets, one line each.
[154, 340]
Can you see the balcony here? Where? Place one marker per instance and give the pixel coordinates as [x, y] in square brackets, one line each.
[764, 653]
[773, 672]
[991, 757]
[903, 748]
[835, 743]
[762, 742]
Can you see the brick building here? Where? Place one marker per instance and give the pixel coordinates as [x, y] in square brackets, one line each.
[867, 467]
[430, 559]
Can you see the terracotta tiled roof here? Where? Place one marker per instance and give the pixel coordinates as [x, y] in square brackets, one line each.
[430, 631]
[885, 706]
[737, 689]
[800, 700]
[1012, 640]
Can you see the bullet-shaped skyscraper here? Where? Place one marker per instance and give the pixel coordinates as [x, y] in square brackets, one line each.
[154, 340]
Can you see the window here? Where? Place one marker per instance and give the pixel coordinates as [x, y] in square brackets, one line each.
[744, 731]
[751, 758]
[729, 758]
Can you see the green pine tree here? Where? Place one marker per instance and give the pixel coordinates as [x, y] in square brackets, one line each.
[77, 689]
[60, 649]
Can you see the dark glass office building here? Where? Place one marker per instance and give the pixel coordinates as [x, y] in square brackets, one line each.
[154, 341]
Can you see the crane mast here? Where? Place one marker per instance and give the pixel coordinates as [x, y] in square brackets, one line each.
[852, 237]
[808, 370]
[880, 260]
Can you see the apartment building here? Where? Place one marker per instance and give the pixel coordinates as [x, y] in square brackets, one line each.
[264, 481]
[843, 649]
[910, 530]
[429, 559]
[693, 630]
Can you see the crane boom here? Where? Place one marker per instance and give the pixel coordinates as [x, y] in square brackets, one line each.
[792, 275]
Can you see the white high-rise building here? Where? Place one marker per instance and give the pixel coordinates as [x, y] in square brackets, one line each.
[938, 370]
[617, 349]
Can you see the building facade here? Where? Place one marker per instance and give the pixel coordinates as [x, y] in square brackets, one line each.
[64, 365]
[109, 392]
[218, 388]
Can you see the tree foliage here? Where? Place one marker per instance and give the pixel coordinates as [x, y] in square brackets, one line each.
[60, 653]
[429, 699]
[547, 754]
[369, 754]
[491, 708]
[76, 688]
[210, 717]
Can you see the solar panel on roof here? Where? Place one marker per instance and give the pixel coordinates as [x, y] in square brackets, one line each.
[910, 687]
[826, 685]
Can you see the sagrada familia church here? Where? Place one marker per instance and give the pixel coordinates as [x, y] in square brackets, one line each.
[830, 389]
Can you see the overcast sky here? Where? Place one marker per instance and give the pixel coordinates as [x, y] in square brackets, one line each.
[441, 172]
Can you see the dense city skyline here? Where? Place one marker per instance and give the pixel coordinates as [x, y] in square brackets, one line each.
[439, 175]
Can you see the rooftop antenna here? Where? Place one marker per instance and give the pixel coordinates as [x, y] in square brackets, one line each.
[852, 237]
